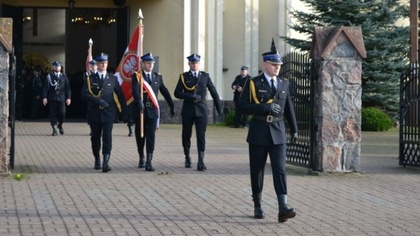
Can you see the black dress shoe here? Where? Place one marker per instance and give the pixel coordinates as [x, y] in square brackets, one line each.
[106, 169]
[54, 133]
[285, 214]
[187, 162]
[61, 130]
[141, 162]
[259, 213]
[201, 167]
[98, 167]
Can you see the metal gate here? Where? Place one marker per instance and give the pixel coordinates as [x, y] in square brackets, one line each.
[409, 117]
[299, 70]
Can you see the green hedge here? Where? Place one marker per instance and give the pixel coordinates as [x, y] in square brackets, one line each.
[374, 119]
[230, 118]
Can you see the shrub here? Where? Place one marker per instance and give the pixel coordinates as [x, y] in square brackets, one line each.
[374, 119]
[230, 118]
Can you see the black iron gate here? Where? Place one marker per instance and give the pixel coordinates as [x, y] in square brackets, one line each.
[409, 117]
[298, 69]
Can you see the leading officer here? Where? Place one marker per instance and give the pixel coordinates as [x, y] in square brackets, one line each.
[150, 109]
[192, 87]
[267, 98]
[98, 91]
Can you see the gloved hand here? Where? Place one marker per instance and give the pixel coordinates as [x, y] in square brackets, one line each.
[172, 112]
[140, 105]
[103, 103]
[293, 138]
[272, 108]
[197, 98]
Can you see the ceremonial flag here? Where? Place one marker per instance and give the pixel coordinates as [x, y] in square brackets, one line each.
[128, 65]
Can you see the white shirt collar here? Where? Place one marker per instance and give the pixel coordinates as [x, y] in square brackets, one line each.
[268, 78]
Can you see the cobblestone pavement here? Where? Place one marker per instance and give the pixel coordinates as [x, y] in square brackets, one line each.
[61, 193]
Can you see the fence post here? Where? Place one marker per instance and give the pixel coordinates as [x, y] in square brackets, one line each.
[338, 53]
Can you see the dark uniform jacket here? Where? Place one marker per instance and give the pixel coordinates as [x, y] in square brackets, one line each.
[189, 87]
[56, 88]
[157, 85]
[255, 100]
[239, 81]
[37, 87]
[94, 89]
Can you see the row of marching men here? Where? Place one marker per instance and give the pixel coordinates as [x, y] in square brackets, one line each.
[265, 96]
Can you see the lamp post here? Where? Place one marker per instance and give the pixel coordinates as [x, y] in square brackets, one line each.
[414, 38]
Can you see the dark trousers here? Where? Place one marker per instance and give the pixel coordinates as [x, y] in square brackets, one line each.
[240, 118]
[149, 131]
[36, 108]
[200, 130]
[257, 161]
[101, 130]
[57, 112]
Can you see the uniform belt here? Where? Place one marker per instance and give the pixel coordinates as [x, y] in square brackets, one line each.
[269, 118]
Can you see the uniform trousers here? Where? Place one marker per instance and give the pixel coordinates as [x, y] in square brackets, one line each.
[200, 130]
[240, 118]
[257, 161]
[101, 130]
[57, 112]
[148, 137]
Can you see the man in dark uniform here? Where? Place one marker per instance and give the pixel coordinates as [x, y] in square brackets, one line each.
[150, 108]
[267, 98]
[36, 93]
[192, 87]
[57, 92]
[237, 86]
[98, 91]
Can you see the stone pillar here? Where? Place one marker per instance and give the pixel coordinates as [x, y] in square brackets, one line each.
[5, 49]
[338, 53]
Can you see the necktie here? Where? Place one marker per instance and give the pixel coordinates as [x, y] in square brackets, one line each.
[148, 78]
[273, 87]
[102, 76]
[195, 74]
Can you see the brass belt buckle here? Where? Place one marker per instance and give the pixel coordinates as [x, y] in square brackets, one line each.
[270, 118]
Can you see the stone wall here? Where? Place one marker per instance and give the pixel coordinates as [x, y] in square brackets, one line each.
[4, 109]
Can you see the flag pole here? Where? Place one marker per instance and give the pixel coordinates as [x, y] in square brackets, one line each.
[140, 49]
[89, 57]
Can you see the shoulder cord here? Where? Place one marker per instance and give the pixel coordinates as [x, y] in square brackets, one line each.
[90, 89]
[114, 95]
[185, 86]
[52, 84]
[253, 94]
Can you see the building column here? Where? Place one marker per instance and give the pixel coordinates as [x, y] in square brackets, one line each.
[251, 26]
[214, 64]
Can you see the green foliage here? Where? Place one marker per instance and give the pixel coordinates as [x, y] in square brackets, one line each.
[374, 119]
[386, 42]
[230, 118]
[18, 177]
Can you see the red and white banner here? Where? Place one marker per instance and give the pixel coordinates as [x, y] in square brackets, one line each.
[130, 64]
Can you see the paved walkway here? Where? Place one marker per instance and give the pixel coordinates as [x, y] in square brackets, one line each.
[62, 194]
